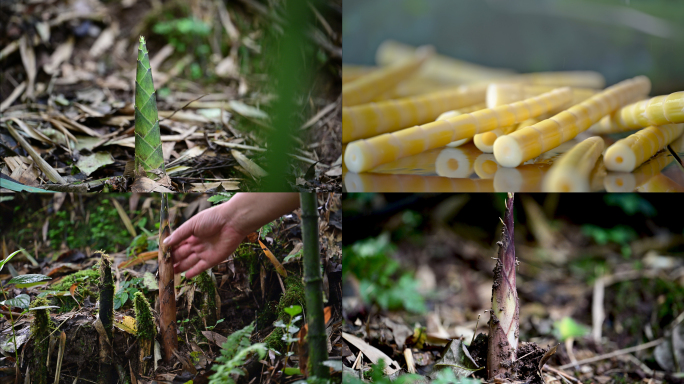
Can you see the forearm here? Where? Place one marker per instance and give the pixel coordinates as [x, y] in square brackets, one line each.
[248, 212]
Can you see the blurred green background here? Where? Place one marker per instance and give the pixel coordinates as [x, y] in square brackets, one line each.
[620, 39]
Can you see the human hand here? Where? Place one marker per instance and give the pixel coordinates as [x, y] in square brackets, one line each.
[204, 241]
[212, 235]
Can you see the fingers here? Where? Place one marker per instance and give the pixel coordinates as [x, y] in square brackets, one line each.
[184, 250]
[197, 269]
[181, 233]
[186, 263]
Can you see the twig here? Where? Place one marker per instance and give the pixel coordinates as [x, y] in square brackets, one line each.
[561, 373]
[181, 108]
[619, 352]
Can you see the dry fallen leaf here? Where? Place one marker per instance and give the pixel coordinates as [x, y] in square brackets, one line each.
[279, 267]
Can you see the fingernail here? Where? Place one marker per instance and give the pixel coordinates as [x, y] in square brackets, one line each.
[166, 241]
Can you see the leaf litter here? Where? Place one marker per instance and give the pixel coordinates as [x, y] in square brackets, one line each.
[445, 244]
[69, 88]
[66, 274]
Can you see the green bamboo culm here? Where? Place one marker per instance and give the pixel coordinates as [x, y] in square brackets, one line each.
[148, 148]
[318, 346]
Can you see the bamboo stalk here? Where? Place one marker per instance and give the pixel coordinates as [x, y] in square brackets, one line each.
[318, 346]
[106, 315]
[167, 292]
[503, 321]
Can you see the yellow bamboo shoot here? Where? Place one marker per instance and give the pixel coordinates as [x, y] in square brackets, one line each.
[365, 88]
[372, 119]
[527, 143]
[571, 172]
[363, 155]
[629, 153]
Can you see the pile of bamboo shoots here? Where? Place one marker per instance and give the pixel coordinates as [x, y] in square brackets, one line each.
[418, 100]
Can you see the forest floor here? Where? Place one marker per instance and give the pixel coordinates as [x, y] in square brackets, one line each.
[599, 301]
[67, 87]
[61, 235]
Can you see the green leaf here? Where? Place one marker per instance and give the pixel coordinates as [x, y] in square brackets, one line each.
[25, 281]
[22, 301]
[290, 371]
[567, 328]
[17, 187]
[293, 310]
[148, 148]
[336, 365]
[8, 258]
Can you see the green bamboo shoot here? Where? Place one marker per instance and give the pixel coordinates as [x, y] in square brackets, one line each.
[148, 148]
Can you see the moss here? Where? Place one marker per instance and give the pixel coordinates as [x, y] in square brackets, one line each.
[87, 280]
[40, 331]
[143, 317]
[247, 256]
[89, 276]
[274, 340]
[208, 305]
[294, 295]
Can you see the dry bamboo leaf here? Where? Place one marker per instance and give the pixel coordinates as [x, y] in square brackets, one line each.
[60, 356]
[124, 217]
[13, 96]
[60, 55]
[248, 164]
[105, 40]
[42, 164]
[372, 353]
[214, 337]
[279, 267]
[32, 132]
[89, 164]
[204, 187]
[9, 49]
[28, 58]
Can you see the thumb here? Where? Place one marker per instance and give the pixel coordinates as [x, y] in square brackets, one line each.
[181, 233]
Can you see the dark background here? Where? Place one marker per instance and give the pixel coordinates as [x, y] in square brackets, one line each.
[620, 39]
[367, 214]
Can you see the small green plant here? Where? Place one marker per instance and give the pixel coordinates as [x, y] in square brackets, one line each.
[289, 332]
[220, 198]
[567, 327]
[184, 34]
[377, 376]
[447, 376]
[23, 300]
[127, 290]
[234, 353]
[377, 274]
[620, 235]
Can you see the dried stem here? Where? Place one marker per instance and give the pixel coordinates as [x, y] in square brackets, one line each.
[503, 321]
